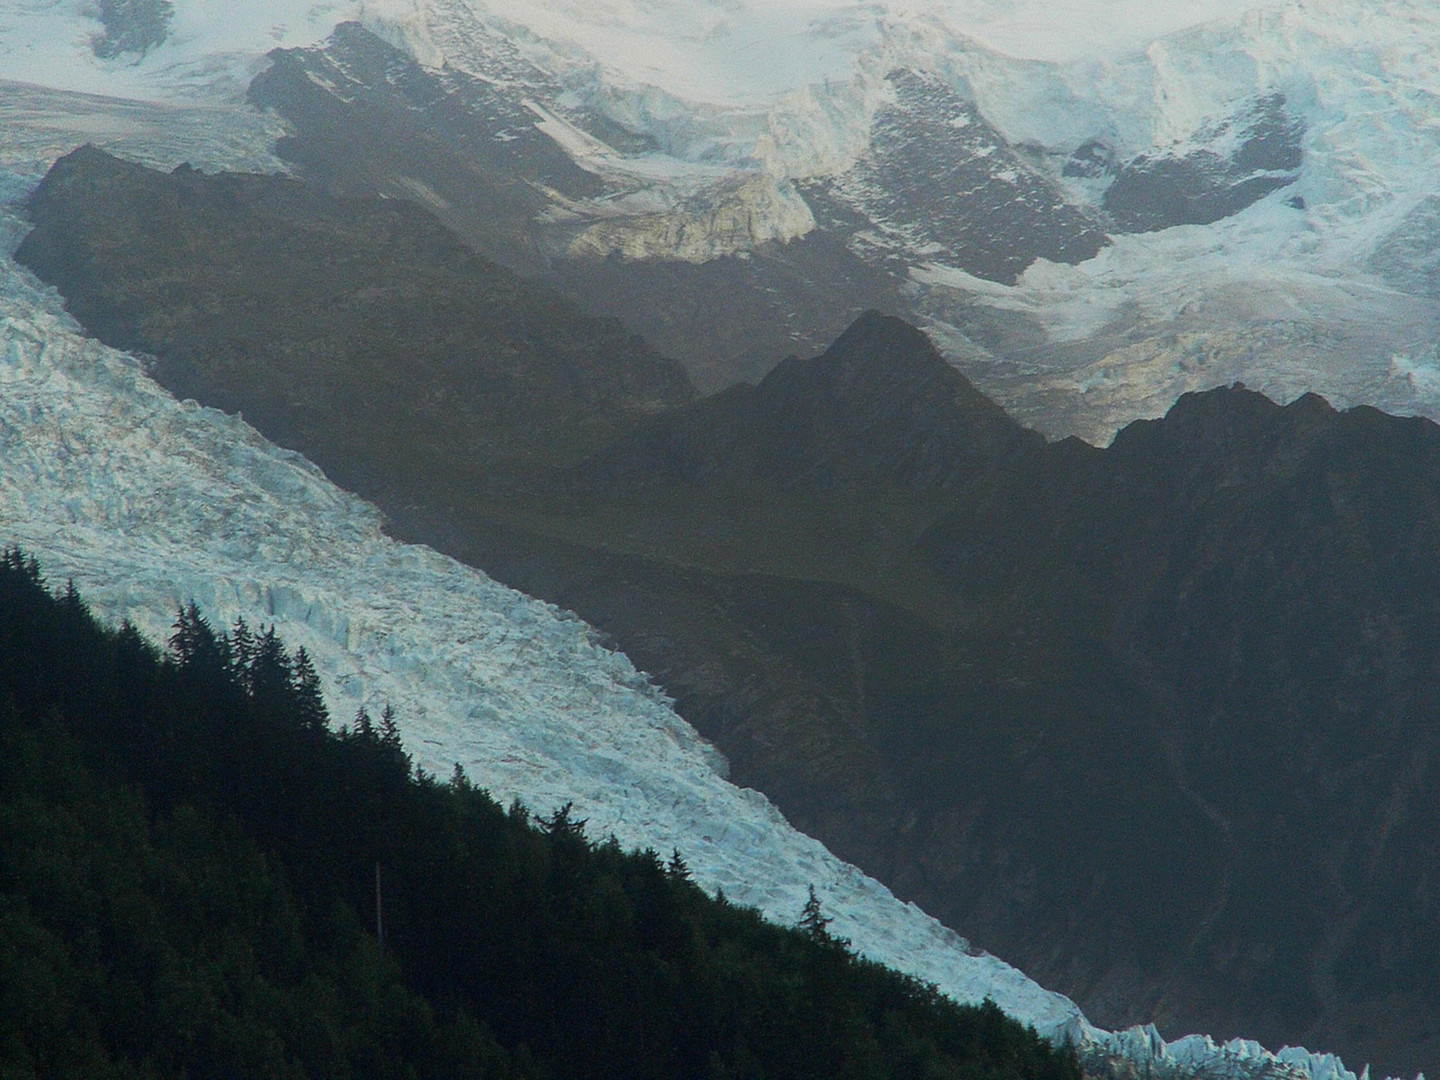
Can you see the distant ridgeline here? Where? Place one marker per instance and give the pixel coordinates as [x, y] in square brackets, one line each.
[191, 863]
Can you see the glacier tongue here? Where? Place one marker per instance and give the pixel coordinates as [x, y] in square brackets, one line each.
[146, 503]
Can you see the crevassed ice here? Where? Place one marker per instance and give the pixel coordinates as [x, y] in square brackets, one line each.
[147, 503]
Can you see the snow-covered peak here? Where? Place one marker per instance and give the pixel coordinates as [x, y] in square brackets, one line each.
[740, 52]
[1361, 78]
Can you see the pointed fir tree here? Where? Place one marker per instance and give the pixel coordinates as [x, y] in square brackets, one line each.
[364, 726]
[562, 824]
[270, 676]
[676, 867]
[70, 601]
[816, 925]
[242, 652]
[389, 731]
[458, 780]
[813, 920]
[194, 646]
[310, 708]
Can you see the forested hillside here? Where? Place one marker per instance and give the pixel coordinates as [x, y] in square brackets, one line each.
[191, 861]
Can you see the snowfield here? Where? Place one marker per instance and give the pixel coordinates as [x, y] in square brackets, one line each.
[1334, 273]
[718, 51]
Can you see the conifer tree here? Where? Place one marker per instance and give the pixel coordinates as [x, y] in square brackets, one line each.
[242, 652]
[389, 730]
[816, 925]
[364, 726]
[195, 647]
[309, 701]
[270, 675]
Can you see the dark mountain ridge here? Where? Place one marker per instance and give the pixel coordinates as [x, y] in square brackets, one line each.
[1155, 722]
[879, 404]
[492, 364]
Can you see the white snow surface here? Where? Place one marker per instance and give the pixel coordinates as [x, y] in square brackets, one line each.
[214, 48]
[147, 503]
[1363, 77]
[709, 50]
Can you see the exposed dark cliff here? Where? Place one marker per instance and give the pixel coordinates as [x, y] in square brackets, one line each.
[1237, 163]
[939, 180]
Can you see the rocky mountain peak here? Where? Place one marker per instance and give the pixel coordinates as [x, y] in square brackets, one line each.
[1229, 432]
[880, 405]
[882, 400]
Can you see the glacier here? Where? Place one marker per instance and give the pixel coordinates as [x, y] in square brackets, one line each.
[147, 503]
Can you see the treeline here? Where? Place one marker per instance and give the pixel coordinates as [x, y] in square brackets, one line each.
[189, 859]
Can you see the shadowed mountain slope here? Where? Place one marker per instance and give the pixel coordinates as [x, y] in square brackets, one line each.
[310, 300]
[1156, 722]
[879, 405]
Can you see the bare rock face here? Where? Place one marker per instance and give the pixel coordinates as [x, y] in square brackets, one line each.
[1232, 165]
[938, 182]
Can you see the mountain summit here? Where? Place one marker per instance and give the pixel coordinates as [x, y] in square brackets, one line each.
[879, 405]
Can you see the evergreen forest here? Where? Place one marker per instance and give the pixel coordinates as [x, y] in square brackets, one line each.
[192, 858]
